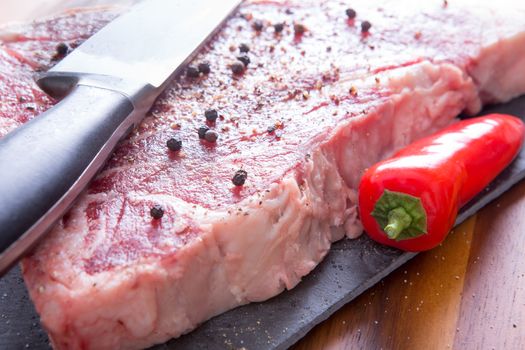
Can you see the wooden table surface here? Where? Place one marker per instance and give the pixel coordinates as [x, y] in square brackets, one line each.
[469, 293]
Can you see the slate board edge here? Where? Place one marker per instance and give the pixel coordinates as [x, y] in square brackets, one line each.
[401, 260]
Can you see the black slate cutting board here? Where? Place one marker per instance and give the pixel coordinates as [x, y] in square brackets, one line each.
[350, 268]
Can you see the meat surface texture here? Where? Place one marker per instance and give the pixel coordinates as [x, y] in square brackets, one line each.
[308, 115]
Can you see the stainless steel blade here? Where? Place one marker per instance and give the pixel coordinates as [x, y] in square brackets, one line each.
[148, 43]
[109, 83]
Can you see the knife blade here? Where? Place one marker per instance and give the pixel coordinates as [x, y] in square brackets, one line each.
[106, 85]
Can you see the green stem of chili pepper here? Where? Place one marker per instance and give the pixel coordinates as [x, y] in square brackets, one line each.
[401, 216]
[398, 220]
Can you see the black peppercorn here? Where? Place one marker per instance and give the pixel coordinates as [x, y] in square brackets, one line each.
[258, 26]
[204, 68]
[240, 177]
[174, 144]
[192, 72]
[278, 27]
[271, 129]
[238, 68]
[244, 59]
[157, 212]
[244, 48]
[211, 136]
[365, 26]
[202, 131]
[211, 115]
[299, 29]
[350, 13]
[62, 49]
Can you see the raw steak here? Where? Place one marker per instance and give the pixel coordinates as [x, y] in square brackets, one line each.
[336, 100]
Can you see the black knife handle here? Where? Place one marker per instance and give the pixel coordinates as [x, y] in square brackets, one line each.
[47, 162]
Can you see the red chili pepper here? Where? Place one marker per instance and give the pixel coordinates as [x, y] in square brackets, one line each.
[411, 200]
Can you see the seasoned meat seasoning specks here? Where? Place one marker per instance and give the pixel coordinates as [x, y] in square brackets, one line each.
[202, 131]
[211, 136]
[62, 49]
[157, 212]
[211, 115]
[299, 29]
[244, 48]
[204, 68]
[350, 13]
[257, 26]
[239, 178]
[365, 26]
[192, 72]
[238, 68]
[174, 144]
[244, 59]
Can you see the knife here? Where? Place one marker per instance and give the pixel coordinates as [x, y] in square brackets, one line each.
[106, 85]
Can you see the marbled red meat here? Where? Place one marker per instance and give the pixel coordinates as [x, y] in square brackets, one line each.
[109, 276]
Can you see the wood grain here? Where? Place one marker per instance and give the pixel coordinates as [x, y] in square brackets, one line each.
[492, 313]
[469, 293]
